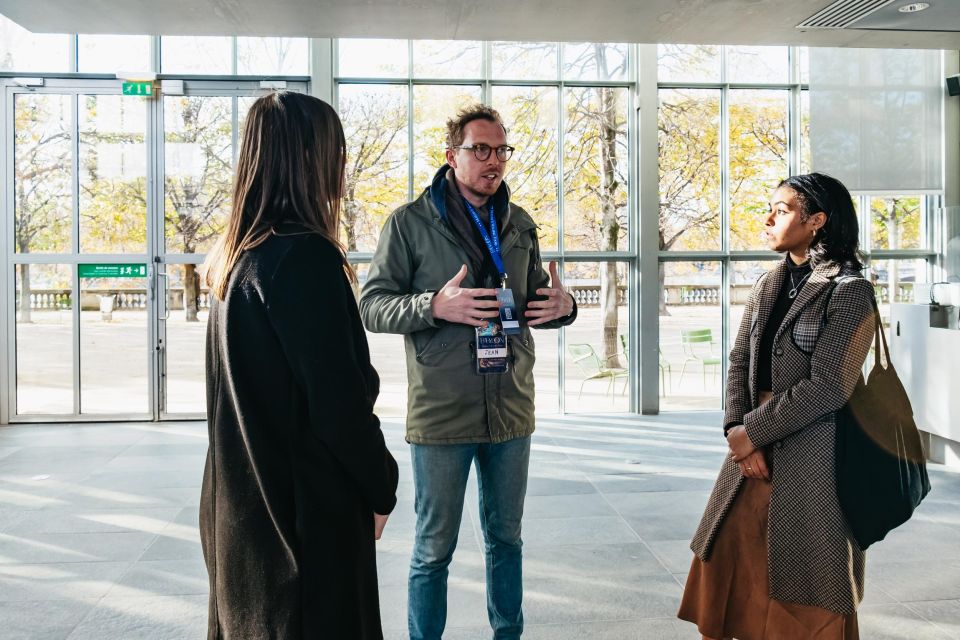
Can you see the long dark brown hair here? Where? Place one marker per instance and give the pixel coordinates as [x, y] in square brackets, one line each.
[290, 170]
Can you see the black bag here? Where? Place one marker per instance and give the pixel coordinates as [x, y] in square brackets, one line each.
[881, 469]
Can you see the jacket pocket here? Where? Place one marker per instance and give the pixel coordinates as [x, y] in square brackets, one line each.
[805, 333]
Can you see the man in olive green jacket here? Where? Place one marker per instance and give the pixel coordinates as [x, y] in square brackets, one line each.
[434, 279]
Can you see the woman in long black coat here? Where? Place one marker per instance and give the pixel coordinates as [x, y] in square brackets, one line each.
[297, 469]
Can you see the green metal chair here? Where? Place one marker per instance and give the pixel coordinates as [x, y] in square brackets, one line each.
[666, 373]
[592, 367]
[698, 346]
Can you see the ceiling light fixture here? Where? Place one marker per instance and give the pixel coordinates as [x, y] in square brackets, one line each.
[914, 7]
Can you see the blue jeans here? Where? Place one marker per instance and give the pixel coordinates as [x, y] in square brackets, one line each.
[440, 475]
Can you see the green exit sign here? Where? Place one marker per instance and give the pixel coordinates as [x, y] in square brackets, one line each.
[144, 88]
[113, 270]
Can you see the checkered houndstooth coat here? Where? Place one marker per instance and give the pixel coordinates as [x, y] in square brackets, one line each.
[818, 353]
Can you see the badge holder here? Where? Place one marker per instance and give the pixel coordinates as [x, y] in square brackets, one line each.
[492, 350]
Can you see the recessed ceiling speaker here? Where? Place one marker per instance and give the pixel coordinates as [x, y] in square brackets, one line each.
[953, 85]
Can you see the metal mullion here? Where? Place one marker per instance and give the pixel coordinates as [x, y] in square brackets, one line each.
[155, 246]
[794, 133]
[732, 85]
[561, 242]
[410, 138]
[487, 70]
[586, 84]
[75, 245]
[74, 53]
[633, 226]
[411, 164]
[8, 281]
[588, 256]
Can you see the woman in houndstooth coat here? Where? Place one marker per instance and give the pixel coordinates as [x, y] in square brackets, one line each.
[774, 557]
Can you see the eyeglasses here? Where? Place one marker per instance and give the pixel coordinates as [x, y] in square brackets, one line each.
[482, 151]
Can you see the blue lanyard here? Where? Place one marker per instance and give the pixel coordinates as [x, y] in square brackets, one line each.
[491, 239]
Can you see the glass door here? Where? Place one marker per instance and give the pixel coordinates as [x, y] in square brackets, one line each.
[111, 204]
[202, 130]
[77, 194]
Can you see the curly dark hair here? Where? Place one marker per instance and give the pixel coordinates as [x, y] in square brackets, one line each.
[838, 240]
[465, 116]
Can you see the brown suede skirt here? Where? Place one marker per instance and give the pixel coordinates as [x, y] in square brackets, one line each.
[728, 596]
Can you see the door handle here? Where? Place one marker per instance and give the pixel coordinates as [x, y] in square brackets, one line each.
[164, 294]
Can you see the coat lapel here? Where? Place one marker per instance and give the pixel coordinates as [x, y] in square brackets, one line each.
[768, 297]
[818, 281]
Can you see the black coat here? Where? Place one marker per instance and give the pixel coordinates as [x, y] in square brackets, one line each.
[297, 463]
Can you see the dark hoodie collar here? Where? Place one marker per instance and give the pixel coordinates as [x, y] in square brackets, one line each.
[438, 194]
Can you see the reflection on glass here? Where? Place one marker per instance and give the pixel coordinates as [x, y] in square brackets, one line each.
[109, 53]
[114, 374]
[689, 135]
[447, 59]
[113, 174]
[43, 157]
[804, 53]
[805, 162]
[897, 222]
[273, 56]
[188, 305]
[375, 124]
[44, 339]
[388, 358]
[688, 63]
[597, 378]
[202, 55]
[594, 61]
[758, 64]
[691, 325]
[433, 105]
[893, 281]
[198, 167]
[372, 58]
[530, 114]
[524, 60]
[21, 50]
[595, 169]
[758, 161]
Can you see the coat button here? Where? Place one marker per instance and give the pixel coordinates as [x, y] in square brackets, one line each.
[443, 344]
[778, 445]
[778, 352]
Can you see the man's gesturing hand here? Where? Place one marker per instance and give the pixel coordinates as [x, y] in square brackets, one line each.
[559, 303]
[456, 304]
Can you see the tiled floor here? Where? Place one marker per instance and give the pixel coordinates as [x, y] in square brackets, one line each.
[98, 536]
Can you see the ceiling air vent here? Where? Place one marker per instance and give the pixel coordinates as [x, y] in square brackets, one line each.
[842, 13]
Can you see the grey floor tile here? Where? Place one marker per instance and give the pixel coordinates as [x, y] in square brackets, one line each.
[563, 601]
[664, 629]
[162, 578]
[566, 506]
[675, 555]
[945, 614]
[618, 563]
[53, 581]
[588, 530]
[692, 480]
[917, 580]
[46, 619]
[73, 547]
[145, 618]
[94, 521]
[173, 547]
[896, 622]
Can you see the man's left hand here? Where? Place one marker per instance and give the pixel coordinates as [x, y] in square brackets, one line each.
[559, 303]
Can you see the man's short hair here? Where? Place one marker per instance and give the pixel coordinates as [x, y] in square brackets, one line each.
[465, 116]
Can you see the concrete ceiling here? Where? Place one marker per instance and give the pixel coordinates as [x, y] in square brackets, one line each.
[757, 22]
